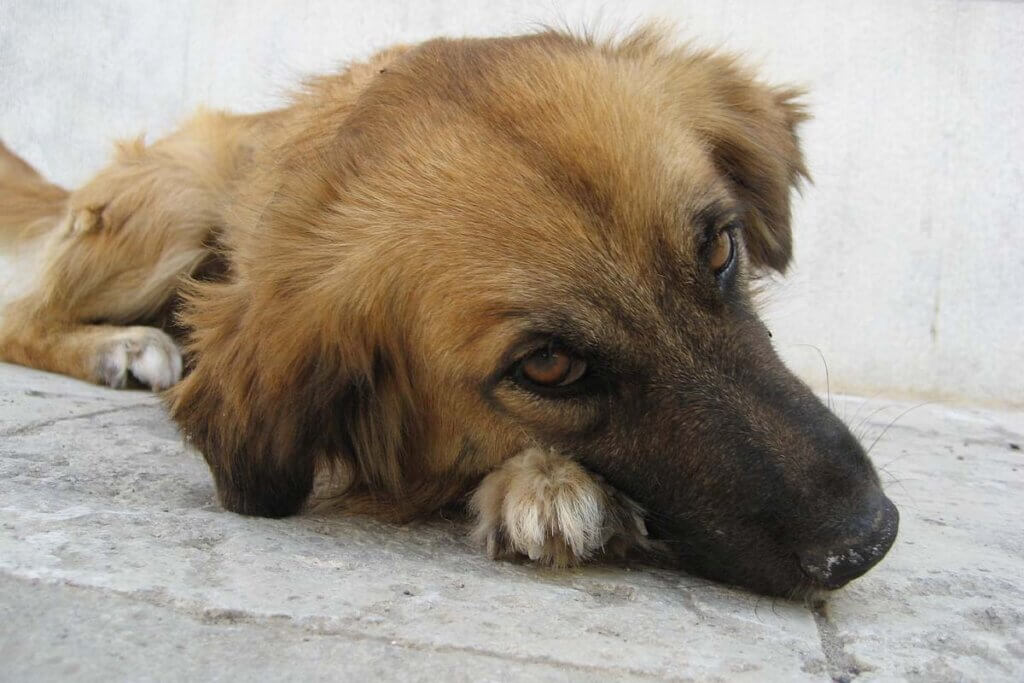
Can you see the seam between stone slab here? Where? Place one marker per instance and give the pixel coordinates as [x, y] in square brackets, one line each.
[842, 667]
[41, 424]
[317, 626]
[98, 393]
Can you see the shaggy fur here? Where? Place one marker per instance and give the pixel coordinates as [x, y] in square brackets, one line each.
[358, 277]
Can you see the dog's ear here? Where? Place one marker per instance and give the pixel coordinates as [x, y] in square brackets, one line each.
[372, 424]
[751, 131]
[276, 390]
[254, 400]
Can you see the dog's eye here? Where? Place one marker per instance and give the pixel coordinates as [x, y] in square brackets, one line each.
[552, 367]
[721, 253]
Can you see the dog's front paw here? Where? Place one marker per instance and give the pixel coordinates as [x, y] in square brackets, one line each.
[148, 354]
[548, 508]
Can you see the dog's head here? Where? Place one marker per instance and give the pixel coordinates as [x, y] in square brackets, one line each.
[541, 240]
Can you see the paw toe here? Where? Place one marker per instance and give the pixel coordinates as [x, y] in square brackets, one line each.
[146, 354]
[158, 365]
[114, 367]
[545, 507]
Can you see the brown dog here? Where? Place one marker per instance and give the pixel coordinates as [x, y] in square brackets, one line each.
[518, 267]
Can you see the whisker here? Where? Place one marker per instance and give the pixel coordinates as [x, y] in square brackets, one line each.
[867, 419]
[896, 459]
[828, 382]
[894, 421]
[860, 407]
[898, 482]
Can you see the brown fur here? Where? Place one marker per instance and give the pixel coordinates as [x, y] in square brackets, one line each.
[353, 272]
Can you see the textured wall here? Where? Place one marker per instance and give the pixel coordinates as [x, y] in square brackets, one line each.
[910, 261]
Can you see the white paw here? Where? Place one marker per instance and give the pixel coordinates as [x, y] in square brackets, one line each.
[148, 354]
[548, 508]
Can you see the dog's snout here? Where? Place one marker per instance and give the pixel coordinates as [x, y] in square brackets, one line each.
[836, 563]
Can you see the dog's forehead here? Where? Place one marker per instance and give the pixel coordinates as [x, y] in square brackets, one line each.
[544, 141]
[604, 130]
[540, 179]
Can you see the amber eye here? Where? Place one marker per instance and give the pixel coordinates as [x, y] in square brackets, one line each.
[552, 367]
[721, 252]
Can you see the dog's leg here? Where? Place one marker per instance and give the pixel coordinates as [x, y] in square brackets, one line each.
[104, 354]
[92, 280]
[550, 509]
[113, 253]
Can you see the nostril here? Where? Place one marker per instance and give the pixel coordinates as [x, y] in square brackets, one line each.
[838, 563]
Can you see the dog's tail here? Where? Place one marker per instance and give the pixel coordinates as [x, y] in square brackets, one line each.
[29, 205]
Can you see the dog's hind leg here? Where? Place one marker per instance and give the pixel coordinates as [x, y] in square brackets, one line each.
[111, 256]
[105, 354]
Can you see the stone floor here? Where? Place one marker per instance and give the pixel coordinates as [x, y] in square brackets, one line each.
[117, 564]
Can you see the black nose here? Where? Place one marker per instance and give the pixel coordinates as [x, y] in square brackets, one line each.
[842, 561]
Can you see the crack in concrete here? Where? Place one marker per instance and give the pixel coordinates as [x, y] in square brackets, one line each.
[37, 393]
[321, 626]
[842, 666]
[42, 424]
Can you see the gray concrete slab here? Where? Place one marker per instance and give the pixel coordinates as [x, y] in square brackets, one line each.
[117, 564]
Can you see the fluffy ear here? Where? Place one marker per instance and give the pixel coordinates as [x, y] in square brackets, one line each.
[256, 398]
[751, 129]
[276, 389]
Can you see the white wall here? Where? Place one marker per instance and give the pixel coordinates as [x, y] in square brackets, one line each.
[910, 258]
